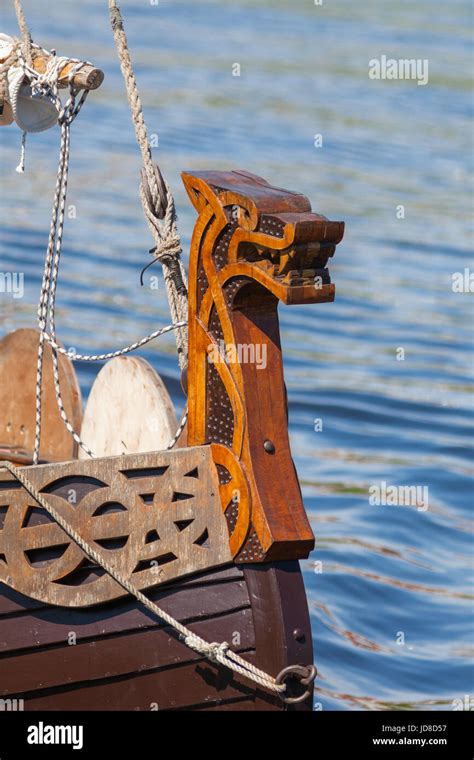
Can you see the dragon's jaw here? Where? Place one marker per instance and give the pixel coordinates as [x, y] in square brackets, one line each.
[289, 266]
[305, 287]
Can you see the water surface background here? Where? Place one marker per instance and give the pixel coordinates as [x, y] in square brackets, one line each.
[381, 575]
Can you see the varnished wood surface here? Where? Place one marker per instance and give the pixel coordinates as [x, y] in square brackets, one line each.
[253, 245]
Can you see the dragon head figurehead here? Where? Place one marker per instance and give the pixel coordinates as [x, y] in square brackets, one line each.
[266, 234]
[253, 245]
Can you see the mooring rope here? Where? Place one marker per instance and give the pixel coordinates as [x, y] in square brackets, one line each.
[216, 652]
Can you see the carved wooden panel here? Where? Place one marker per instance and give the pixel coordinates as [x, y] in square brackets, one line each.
[155, 517]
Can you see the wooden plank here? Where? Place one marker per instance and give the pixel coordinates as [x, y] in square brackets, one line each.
[282, 624]
[173, 689]
[53, 626]
[153, 517]
[12, 602]
[246, 704]
[120, 655]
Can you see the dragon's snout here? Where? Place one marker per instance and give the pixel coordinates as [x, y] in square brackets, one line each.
[292, 252]
[272, 235]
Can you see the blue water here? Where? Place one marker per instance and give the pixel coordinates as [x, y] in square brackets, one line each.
[389, 587]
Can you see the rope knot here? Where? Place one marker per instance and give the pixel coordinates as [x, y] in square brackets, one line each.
[167, 248]
[213, 651]
[168, 253]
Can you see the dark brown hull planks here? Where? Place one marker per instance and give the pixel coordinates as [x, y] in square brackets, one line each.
[117, 656]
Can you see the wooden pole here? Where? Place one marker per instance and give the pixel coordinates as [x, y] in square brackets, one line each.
[88, 78]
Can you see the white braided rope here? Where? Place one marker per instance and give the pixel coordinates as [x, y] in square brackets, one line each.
[216, 652]
[74, 356]
[46, 308]
[66, 116]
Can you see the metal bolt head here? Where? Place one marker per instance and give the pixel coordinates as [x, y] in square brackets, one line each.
[269, 447]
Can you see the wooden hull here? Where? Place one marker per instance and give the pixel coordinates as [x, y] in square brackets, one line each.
[125, 659]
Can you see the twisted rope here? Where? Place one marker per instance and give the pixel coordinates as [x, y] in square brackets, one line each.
[27, 42]
[157, 199]
[158, 204]
[9, 61]
[216, 652]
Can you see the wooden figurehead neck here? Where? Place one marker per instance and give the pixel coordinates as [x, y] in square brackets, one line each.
[253, 246]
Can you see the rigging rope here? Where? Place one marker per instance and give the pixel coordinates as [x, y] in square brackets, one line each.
[25, 32]
[158, 203]
[47, 303]
[157, 199]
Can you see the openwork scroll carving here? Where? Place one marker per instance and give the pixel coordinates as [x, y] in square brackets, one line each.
[155, 517]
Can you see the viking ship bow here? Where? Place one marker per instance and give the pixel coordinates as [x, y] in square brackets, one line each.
[211, 531]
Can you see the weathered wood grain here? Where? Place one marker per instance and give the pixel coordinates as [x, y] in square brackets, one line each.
[154, 517]
[51, 626]
[128, 410]
[18, 360]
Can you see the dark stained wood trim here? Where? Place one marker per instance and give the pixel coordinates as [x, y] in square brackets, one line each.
[53, 625]
[127, 654]
[174, 688]
[280, 609]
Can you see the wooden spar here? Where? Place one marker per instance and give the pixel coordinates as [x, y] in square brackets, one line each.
[88, 78]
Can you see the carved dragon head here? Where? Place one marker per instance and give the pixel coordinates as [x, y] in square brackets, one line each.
[265, 233]
[253, 245]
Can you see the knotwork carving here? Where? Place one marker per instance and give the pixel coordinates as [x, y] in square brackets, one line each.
[154, 517]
